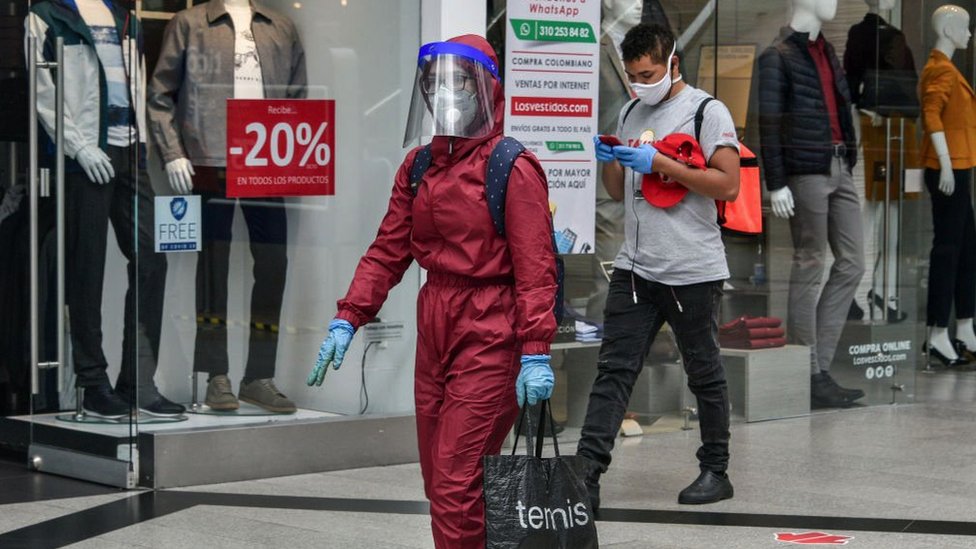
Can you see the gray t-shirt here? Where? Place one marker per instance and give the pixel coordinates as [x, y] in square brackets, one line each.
[682, 244]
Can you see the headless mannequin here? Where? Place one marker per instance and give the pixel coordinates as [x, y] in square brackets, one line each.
[951, 25]
[180, 171]
[876, 7]
[809, 17]
[888, 295]
[96, 164]
[619, 16]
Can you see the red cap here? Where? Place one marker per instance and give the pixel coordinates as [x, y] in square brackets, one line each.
[664, 192]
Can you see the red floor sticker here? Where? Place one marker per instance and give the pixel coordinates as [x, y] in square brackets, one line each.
[812, 538]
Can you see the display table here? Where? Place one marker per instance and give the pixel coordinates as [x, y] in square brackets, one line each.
[769, 383]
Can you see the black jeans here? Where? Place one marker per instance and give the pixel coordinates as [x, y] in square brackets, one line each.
[629, 330]
[952, 263]
[126, 201]
[267, 227]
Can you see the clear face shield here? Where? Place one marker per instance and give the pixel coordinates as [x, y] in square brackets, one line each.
[453, 93]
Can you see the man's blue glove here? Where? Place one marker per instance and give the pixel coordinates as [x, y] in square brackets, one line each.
[639, 159]
[604, 152]
[535, 380]
[333, 350]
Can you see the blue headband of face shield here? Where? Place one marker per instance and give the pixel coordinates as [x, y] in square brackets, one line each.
[452, 48]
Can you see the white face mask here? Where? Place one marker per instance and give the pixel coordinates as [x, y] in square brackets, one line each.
[454, 111]
[652, 94]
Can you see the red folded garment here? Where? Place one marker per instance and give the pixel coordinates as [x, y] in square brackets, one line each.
[765, 343]
[749, 322]
[755, 333]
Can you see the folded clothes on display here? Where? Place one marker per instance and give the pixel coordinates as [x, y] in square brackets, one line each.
[750, 322]
[762, 343]
[751, 332]
[754, 333]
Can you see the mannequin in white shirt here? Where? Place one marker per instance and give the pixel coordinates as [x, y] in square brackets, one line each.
[180, 171]
[808, 16]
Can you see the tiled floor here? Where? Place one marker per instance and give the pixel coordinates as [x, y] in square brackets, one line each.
[834, 472]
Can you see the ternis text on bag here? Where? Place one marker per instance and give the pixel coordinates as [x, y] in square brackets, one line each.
[545, 518]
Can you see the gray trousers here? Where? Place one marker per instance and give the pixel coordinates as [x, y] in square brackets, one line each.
[827, 212]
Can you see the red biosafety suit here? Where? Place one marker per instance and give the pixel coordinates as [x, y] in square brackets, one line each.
[488, 300]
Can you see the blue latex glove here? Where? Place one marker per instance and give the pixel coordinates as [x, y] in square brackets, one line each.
[639, 159]
[604, 152]
[535, 380]
[333, 350]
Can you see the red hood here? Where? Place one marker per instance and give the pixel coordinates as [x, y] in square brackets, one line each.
[463, 147]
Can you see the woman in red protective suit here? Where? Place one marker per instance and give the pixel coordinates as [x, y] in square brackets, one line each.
[485, 315]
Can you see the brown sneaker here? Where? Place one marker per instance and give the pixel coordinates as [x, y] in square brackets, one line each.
[263, 393]
[219, 394]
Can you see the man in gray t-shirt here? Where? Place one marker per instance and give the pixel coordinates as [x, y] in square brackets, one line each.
[682, 244]
[672, 263]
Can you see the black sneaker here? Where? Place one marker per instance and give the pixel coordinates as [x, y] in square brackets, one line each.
[849, 394]
[152, 403]
[824, 394]
[709, 487]
[101, 401]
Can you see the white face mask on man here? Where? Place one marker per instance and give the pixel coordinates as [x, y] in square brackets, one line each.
[652, 94]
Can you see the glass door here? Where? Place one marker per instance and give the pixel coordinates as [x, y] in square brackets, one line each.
[96, 287]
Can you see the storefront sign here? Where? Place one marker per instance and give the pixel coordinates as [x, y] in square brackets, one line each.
[280, 147]
[551, 85]
[881, 359]
[177, 223]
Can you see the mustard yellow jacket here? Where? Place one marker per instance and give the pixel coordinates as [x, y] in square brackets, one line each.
[948, 105]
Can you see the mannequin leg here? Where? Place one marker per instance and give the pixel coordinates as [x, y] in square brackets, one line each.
[808, 229]
[966, 275]
[267, 228]
[210, 351]
[883, 295]
[964, 332]
[846, 238]
[948, 220]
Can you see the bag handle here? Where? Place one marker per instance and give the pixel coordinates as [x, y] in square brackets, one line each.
[544, 411]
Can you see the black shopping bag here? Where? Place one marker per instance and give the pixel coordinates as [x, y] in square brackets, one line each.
[535, 502]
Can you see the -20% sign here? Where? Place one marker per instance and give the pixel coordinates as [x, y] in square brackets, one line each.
[280, 147]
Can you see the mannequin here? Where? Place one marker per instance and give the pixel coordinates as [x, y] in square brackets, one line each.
[212, 52]
[948, 103]
[180, 171]
[807, 143]
[105, 182]
[618, 16]
[883, 81]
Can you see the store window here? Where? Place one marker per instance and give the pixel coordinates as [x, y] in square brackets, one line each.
[231, 331]
[849, 292]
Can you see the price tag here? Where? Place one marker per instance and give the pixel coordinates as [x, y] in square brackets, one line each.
[280, 147]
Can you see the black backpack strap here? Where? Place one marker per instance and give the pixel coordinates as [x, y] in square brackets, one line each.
[700, 117]
[500, 165]
[630, 106]
[496, 179]
[419, 167]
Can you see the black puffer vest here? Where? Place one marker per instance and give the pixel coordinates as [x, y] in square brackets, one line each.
[794, 127]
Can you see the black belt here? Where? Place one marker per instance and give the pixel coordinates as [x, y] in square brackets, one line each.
[839, 150]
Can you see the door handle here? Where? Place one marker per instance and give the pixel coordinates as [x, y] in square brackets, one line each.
[40, 185]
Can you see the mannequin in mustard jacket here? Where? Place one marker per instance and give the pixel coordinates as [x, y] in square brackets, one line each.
[949, 152]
